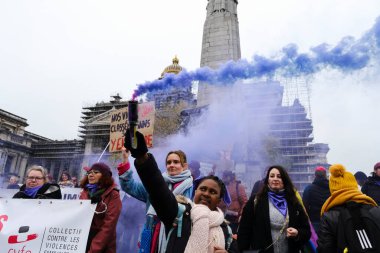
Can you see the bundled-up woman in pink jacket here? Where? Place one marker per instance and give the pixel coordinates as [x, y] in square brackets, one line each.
[98, 186]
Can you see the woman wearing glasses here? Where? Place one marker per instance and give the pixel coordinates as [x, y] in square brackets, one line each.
[99, 186]
[37, 187]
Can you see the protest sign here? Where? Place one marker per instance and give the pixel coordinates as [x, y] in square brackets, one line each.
[44, 225]
[119, 125]
[67, 193]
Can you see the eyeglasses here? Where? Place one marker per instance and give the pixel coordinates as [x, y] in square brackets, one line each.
[92, 172]
[34, 178]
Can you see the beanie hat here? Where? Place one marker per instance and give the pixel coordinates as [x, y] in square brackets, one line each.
[320, 172]
[340, 178]
[320, 168]
[377, 166]
[102, 168]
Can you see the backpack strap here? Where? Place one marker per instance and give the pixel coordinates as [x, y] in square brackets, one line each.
[178, 221]
[227, 231]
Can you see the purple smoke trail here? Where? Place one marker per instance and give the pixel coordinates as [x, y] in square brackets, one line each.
[348, 55]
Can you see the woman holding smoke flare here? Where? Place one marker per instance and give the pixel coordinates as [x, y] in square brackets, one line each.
[99, 186]
[190, 227]
[274, 221]
[177, 179]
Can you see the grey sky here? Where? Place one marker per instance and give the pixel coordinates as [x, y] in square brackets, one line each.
[56, 56]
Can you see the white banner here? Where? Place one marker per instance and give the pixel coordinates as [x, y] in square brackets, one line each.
[44, 226]
[67, 194]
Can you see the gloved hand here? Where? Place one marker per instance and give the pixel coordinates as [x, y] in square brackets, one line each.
[141, 148]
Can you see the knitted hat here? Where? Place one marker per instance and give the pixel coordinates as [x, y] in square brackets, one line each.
[340, 178]
[377, 166]
[320, 168]
[102, 168]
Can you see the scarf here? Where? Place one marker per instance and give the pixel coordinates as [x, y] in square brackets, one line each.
[92, 188]
[206, 232]
[342, 196]
[32, 192]
[187, 183]
[278, 200]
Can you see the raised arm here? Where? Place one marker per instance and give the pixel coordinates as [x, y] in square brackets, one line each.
[161, 198]
[129, 185]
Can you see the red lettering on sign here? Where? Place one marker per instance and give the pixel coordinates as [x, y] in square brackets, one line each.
[22, 250]
[3, 218]
[113, 142]
[120, 143]
[149, 140]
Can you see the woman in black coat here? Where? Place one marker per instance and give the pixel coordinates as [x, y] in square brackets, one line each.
[274, 221]
[37, 187]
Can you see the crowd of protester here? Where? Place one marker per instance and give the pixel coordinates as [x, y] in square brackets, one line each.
[188, 212]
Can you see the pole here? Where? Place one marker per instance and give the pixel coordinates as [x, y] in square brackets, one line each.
[100, 157]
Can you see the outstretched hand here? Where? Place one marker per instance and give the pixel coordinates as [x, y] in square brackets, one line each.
[141, 148]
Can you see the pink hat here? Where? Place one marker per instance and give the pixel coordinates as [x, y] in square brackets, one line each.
[377, 166]
[320, 168]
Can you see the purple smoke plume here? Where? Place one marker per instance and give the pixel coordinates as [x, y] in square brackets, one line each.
[348, 55]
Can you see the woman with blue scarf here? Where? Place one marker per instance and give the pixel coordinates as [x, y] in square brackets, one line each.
[274, 221]
[37, 187]
[99, 186]
[179, 181]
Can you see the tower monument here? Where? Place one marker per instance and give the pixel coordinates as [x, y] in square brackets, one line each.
[221, 41]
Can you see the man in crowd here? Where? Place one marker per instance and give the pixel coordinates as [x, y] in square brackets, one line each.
[315, 195]
[361, 178]
[372, 186]
[13, 183]
[238, 200]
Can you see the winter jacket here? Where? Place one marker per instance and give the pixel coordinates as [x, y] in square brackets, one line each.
[166, 206]
[314, 196]
[137, 190]
[102, 236]
[328, 230]
[47, 191]
[372, 188]
[255, 231]
[238, 200]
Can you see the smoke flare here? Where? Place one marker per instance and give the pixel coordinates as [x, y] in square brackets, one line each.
[348, 55]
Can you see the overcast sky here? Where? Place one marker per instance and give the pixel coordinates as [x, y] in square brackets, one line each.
[57, 56]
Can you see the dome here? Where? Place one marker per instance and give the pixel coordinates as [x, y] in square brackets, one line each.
[175, 68]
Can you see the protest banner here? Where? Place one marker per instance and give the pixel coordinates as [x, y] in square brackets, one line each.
[44, 225]
[119, 125]
[67, 194]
